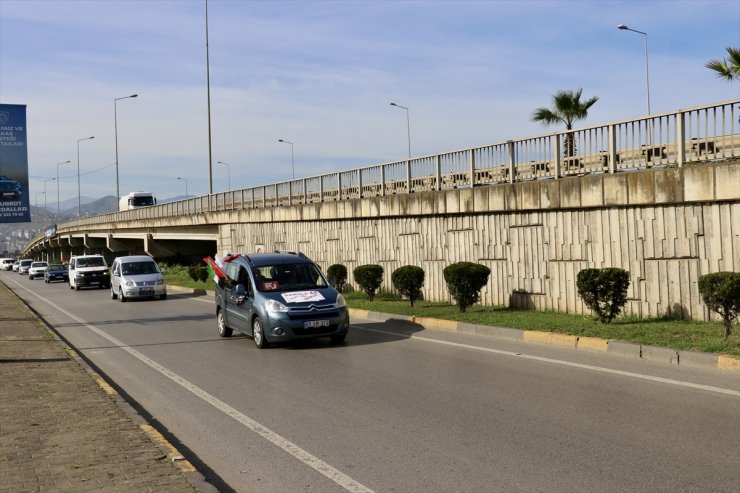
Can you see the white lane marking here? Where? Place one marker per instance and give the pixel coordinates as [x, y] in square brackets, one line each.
[310, 460]
[651, 378]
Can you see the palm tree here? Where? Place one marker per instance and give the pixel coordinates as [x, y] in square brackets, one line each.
[568, 109]
[728, 68]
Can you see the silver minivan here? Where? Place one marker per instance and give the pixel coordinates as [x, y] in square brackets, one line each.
[136, 276]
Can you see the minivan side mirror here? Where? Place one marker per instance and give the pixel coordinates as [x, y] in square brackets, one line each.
[240, 292]
[332, 281]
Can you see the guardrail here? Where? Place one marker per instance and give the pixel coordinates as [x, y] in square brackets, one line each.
[699, 134]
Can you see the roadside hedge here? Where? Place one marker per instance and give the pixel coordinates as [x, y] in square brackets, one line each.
[369, 278]
[408, 280]
[464, 282]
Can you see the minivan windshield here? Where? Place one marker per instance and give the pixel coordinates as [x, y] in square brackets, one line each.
[91, 262]
[139, 268]
[288, 277]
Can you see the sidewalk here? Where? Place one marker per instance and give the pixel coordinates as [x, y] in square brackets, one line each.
[60, 430]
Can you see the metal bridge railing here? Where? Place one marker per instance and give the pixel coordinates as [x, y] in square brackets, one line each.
[699, 134]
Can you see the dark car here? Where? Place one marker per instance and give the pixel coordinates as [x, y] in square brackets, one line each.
[279, 297]
[56, 272]
[9, 188]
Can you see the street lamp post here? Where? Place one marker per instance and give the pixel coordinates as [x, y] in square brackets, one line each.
[59, 164]
[45, 182]
[408, 125]
[115, 123]
[186, 185]
[647, 70]
[228, 169]
[79, 199]
[292, 156]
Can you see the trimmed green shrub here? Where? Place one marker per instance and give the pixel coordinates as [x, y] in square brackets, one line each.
[369, 278]
[192, 272]
[408, 280]
[721, 293]
[604, 291]
[464, 282]
[339, 273]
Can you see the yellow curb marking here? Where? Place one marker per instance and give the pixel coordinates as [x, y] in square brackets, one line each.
[172, 453]
[726, 362]
[436, 323]
[593, 344]
[550, 338]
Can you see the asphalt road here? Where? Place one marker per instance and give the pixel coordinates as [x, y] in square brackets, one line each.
[396, 409]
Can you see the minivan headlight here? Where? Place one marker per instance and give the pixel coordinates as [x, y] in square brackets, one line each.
[273, 306]
[160, 282]
[340, 301]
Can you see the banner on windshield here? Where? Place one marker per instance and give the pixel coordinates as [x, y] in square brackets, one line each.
[15, 203]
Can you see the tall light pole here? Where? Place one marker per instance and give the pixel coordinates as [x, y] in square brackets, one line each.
[79, 200]
[647, 70]
[228, 168]
[292, 156]
[408, 125]
[59, 164]
[115, 122]
[208, 85]
[186, 185]
[45, 182]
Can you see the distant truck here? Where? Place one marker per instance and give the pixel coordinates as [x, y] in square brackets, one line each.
[134, 200]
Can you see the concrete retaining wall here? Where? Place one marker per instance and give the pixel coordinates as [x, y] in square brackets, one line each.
[666, 227]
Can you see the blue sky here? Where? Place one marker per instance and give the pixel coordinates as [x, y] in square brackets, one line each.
[321, 74]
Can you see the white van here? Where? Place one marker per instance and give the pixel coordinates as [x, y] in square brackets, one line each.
[88, 270]
[136, 276]
[6, 263]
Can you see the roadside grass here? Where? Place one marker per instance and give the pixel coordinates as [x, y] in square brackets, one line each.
[677, 334]
[177, 275]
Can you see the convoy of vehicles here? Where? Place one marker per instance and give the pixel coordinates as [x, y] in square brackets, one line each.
[134, 200]
[136, 276]
[270, 297]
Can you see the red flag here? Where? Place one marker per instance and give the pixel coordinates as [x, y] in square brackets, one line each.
[216, 270]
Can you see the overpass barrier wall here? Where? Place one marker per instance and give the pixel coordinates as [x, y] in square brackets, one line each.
[700, 134]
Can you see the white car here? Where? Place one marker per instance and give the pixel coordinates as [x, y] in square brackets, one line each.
[6, 263]
[24, 265]
[37, 269]
[136, 276]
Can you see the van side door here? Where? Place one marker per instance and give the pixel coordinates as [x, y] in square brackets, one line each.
[236, 316]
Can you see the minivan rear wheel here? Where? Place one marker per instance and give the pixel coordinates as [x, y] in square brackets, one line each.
[223, 329]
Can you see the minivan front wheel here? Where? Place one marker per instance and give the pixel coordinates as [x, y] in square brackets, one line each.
[223, 329]
[259, 335]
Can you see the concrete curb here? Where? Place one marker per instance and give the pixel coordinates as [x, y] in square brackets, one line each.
[693, 359]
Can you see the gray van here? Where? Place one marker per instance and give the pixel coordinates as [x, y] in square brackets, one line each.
[136, 276]
[279, 297]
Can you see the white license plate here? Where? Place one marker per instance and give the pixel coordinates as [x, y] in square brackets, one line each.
[315, 323]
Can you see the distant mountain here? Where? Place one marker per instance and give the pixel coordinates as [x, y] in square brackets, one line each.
[109, 203]
[69, 204]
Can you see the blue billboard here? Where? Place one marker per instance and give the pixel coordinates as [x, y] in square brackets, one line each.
[15, 203]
